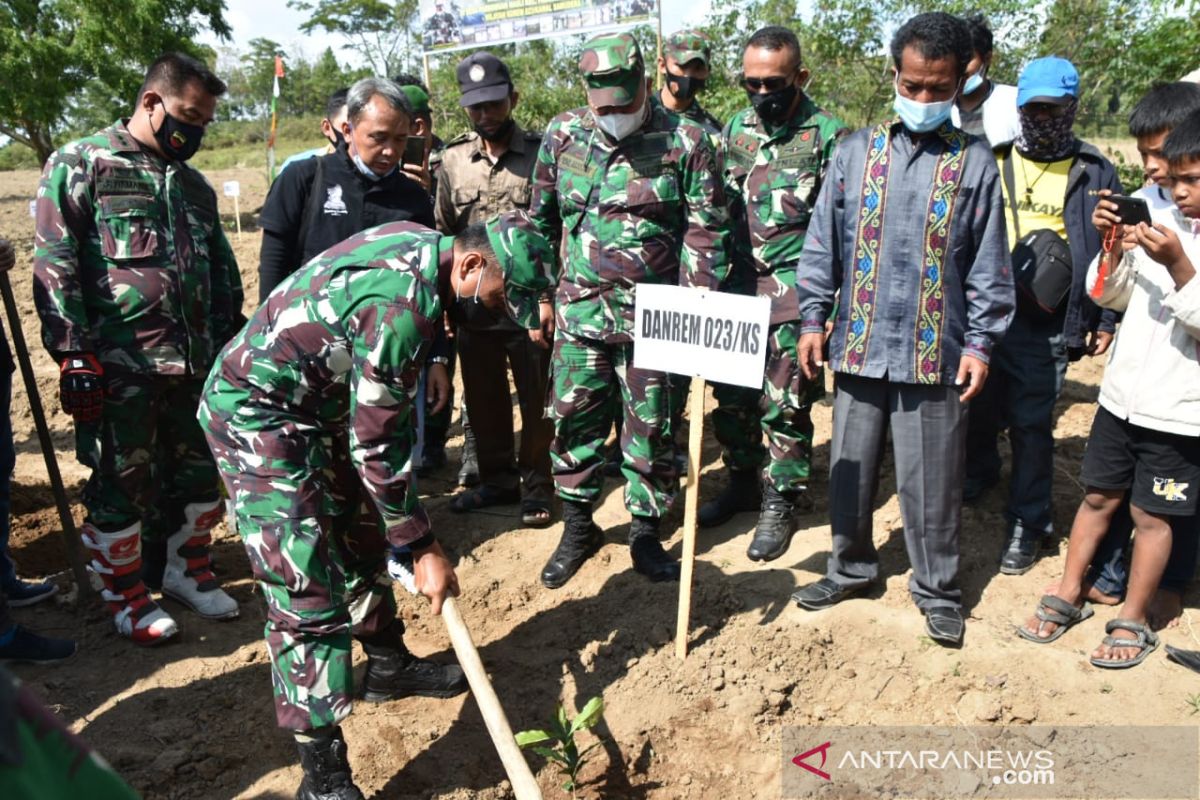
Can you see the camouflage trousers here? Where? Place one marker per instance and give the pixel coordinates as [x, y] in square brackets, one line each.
[147, 455]
[588, 378]
[780, 410]
[322, 573]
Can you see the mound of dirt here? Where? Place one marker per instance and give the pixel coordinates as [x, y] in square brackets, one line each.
[193, 719]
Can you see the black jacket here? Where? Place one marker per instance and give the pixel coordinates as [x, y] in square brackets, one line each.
[346, 203]
[1090, 173]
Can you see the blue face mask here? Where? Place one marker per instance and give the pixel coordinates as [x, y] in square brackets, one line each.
[921, 117]
[973, 82]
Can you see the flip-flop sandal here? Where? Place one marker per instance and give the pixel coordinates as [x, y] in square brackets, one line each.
[484, 496]
[1187, 658]
[536, 514]
[1146, 641]
[1058, 611]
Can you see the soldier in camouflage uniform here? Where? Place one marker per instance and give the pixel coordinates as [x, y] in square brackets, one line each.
[684, 66]
[137, 289]
[775, 153]
[309, 413]
[637, 198]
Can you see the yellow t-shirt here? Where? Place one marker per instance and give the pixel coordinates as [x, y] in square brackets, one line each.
[1041, 189]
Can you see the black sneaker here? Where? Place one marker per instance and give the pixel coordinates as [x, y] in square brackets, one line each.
[25, 645]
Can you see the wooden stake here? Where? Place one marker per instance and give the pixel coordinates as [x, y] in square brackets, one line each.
[524, 785]
[237, 216]
[70, 537]
[690, 505]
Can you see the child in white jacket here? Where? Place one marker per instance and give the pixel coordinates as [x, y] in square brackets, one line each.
[1145, 439]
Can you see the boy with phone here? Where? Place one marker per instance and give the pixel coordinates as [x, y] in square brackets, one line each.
[1145, 440]
[1151, 121]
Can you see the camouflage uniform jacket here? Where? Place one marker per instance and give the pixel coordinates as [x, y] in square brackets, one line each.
[647, 209]
[771, 180]
[696, 113]
[131, 261]
[334, 352]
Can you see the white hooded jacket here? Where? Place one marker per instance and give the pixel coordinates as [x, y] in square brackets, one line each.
[1153, 374]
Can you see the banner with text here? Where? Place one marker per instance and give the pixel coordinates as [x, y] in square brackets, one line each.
[717, 336]
[447, 25]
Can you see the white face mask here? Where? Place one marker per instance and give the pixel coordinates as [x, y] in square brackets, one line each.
[618, 126]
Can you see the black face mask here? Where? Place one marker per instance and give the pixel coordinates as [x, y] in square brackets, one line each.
[339, 141]
[501, 134]
[772, 107]
[684, 87]
[179, 140]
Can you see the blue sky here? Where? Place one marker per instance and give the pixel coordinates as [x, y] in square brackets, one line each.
[272, 19]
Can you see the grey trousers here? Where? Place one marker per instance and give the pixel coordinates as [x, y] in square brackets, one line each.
[928, 425]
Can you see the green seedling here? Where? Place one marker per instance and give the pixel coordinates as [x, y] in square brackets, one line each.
[1193, 702]
[557, 742]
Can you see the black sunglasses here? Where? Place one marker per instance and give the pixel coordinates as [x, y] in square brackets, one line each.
[770, 84]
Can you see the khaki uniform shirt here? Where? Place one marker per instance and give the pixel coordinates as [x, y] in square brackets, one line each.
[472, 188]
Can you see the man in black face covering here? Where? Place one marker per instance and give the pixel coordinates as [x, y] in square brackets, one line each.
[486, 172]
[138, 290]
[1051, 181]
[684, 65]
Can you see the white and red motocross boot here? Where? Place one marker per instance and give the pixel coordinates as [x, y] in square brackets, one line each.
[117, 560]
[188, 577]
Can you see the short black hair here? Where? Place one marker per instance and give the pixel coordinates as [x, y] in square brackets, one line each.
[1164, 107]
[1183, 143]
[336, 102]
[981, 35]
[475, 239]
[776, 37]
[171, 72]
[936, 35]
[408, 79]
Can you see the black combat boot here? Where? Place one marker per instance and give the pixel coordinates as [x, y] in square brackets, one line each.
[649, 558]
[742, 493]
[580, 541]
[393, 672]
[468, 472]
[776, 524]
[326, 768]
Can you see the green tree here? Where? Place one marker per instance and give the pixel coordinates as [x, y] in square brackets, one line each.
[54, 52]
[383, 33]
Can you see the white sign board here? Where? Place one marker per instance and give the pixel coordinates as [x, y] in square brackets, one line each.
[718, 336]
[233, 189]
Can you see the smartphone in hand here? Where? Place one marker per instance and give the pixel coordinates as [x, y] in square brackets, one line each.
[1131, 210]
[414, 151]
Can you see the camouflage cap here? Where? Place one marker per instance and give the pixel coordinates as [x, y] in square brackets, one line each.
[416, 98]
[527, 261]
[612, 68]
[685, 46]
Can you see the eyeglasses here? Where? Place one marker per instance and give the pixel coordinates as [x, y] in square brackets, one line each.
[770, 84]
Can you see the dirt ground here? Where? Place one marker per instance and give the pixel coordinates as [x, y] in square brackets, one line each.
[193, 719]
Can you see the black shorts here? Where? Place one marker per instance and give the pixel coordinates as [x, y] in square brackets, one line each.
[1161, 470]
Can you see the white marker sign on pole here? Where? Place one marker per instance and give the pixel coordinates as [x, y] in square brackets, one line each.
[234, 189]
[714, 335]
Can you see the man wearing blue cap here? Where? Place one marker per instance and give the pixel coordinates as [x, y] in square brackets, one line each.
[1050, 184]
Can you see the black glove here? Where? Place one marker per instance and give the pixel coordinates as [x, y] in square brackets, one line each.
[81, 387]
